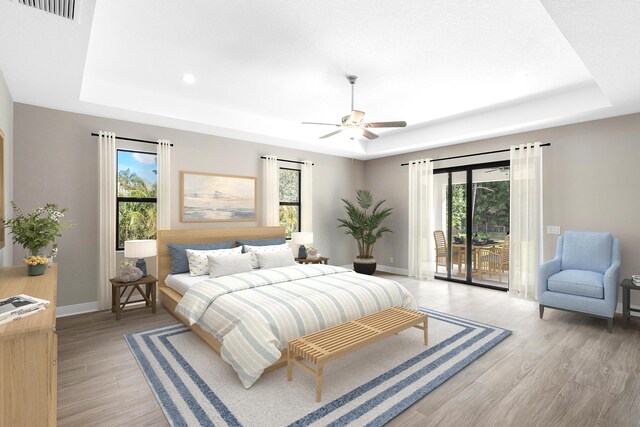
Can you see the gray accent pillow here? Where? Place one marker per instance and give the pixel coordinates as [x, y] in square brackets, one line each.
[275, 259]
[262, 242]
[229, 264]
[179, 261]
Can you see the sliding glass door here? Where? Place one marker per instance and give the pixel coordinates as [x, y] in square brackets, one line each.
[472, 224]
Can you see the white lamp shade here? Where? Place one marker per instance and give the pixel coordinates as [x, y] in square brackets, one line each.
[140, 248]
[302, 238]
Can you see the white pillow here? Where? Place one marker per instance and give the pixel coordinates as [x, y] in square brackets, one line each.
[198, 262]
[269, 248]
[223, 265]
[282, 258]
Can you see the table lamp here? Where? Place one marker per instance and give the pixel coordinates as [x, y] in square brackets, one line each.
[140, 249]
[302, 238]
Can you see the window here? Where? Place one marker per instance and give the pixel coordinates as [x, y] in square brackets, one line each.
[290, 200]
[136, 196]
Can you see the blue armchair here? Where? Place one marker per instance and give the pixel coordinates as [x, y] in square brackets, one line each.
[584, 275]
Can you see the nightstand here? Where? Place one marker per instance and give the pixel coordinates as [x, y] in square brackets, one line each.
[319, 260]
[627, 286]
[119, 288]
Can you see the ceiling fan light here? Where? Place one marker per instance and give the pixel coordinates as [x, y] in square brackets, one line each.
[188, 78]
[353, 132]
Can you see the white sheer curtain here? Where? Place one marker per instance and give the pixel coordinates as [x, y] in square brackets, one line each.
[421, 218]
[526, 219]
[306, 197]
[164, 184]
[270, 191]
[107, 219]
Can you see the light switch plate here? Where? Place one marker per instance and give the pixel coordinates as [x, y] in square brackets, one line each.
[553, 229]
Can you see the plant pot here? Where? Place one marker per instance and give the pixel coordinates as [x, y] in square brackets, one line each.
[36, 270]
[365, 265]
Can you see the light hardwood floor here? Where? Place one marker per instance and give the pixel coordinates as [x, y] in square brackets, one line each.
[564, 370]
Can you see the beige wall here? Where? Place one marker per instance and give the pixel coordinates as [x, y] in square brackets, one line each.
[591, 182]
[57, 160]
[6, 125]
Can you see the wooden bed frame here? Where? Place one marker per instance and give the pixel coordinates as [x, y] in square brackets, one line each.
[170, 297]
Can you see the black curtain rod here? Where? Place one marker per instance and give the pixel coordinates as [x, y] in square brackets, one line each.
[133, 139]
[547, 144]
[289, 161]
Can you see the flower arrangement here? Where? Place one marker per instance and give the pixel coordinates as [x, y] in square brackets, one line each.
[37, 230]
[35, 260]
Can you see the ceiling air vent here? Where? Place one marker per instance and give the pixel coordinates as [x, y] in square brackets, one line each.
[64, 8]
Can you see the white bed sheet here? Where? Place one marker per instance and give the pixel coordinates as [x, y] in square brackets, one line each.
[183, 281]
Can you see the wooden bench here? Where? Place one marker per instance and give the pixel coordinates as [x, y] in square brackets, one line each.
[319, 348]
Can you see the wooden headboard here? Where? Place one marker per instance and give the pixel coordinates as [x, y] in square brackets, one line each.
[206, 235]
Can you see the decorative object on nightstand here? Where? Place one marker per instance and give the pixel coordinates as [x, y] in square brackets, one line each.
[317, 260]
[118, 289]
[129, 273]
[140, 249]
[312, 253]
[302, 238]
[365, 227]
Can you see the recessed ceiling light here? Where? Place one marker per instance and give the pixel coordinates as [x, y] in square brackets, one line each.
[188, 78]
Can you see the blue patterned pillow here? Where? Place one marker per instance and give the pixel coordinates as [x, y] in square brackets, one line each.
[263, 242]
[179, 260]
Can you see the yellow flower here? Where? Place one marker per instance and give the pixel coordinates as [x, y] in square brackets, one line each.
[35, 260]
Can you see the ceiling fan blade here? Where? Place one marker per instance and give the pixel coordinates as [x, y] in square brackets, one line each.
[326, 124]
[356, 117]
[368, 135]
[331, 134]
[386, 125]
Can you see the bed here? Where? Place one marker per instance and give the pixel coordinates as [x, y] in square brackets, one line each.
[255, 313]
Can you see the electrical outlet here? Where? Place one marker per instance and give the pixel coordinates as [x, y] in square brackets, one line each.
[553, 229]
[391, 260]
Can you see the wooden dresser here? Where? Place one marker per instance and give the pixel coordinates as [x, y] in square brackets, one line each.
[28, 353]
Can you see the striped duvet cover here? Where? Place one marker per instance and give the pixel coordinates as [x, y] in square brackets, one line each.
[255, 314]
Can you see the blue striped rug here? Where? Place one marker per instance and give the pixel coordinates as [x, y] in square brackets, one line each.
[370, 387]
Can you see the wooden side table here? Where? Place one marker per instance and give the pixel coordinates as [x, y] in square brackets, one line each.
[627, 286]
[119, 288]
[319, 260]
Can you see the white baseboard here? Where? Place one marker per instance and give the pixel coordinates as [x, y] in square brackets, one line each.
[394, 270]
[633, 314]
[70, 310]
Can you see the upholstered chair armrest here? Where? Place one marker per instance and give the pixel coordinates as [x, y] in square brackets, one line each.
[547, 270]
[612, 275]
[612, 279]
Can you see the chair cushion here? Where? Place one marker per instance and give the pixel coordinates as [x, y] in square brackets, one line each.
[578, 282]
[582, 250]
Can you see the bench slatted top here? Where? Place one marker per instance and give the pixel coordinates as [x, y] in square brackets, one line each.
[328, 344]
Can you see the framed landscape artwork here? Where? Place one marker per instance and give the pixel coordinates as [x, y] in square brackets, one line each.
[208, 197]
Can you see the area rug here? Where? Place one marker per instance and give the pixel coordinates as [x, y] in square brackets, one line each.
[370, 387]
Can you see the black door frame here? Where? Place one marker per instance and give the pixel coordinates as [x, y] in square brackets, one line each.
[469, 223]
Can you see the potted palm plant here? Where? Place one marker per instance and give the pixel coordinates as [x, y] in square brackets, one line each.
[364, 224]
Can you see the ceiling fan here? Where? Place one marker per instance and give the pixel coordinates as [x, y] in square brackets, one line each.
[353, 123]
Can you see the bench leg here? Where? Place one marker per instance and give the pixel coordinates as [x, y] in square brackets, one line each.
[289, 366]
[425, 329]
[319, 384]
